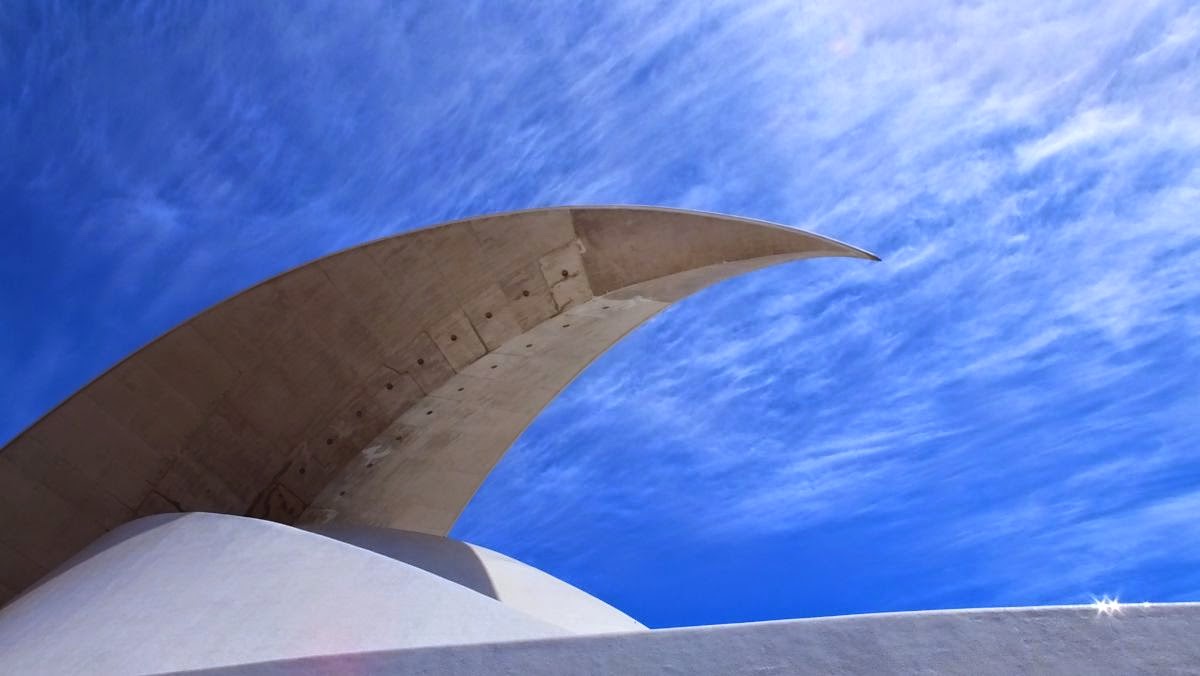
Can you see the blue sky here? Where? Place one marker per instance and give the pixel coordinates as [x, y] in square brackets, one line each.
[1004, 412]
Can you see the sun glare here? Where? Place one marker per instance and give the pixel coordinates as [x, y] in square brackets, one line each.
[1106, 606]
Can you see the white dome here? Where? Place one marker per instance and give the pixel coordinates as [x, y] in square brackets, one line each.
[515, 584]
[192, 591]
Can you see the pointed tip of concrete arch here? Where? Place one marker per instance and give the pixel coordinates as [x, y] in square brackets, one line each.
[803, 240]
[437, 346]
[669, 254]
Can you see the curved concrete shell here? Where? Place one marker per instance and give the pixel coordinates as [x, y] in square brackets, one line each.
[1059, 640]
[503, 578]
[376, 386]
[229, 595]
[188, 591]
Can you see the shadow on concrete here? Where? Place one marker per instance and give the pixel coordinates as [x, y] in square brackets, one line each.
[122, 533]
[446, 558]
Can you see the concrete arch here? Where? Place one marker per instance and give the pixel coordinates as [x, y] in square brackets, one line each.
[377, 386]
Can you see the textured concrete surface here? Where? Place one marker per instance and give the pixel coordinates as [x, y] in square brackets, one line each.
[221, 594]
[378, 385]
[173, 592]
[421, 471]
[1159, 639]
[515, 584]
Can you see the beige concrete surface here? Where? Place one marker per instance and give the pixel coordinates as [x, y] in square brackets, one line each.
[378, 385]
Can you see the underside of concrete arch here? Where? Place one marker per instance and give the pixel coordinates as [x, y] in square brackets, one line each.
[377, 386]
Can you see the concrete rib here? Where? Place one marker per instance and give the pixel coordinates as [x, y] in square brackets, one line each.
[287, 399]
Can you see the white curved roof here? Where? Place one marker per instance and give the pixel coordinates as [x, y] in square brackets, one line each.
[515, 584]
[191, 591]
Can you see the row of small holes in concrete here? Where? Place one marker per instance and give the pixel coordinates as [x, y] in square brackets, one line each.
[389, 386]
[421, 363]
[454, 337]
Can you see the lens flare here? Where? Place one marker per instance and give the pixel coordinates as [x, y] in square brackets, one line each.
[1106, 606]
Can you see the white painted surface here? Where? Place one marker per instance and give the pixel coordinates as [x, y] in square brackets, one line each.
[174, 592]
[488, 572]
[229, 595]
[1161, 639]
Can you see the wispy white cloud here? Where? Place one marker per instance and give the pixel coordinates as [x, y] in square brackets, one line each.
[1010, 384]
[1087, 128]
[1028, 170]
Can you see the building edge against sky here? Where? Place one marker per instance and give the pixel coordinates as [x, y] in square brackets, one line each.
[451, 338]
[364, 397]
